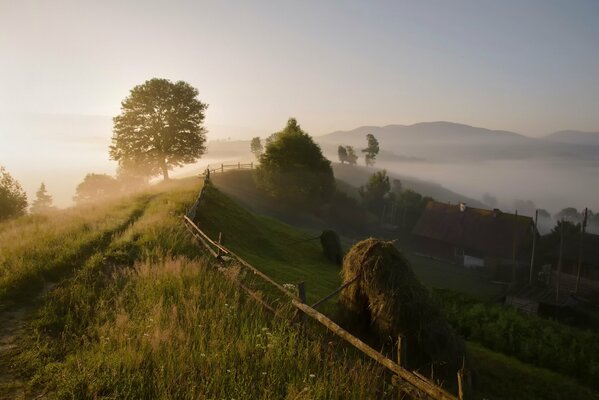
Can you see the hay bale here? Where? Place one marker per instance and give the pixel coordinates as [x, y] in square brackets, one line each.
[392, 301]
[331, 246]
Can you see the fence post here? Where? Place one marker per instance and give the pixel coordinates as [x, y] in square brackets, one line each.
[220, 238]
[301, 293]
[252, 165]
[222, 168]
[401, 351]
[460, 384]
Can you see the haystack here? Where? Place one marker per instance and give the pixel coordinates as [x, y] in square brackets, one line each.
[390, 299]
[331, 246]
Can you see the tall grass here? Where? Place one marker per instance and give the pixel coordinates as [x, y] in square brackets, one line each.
[150, 318]
[37, 248]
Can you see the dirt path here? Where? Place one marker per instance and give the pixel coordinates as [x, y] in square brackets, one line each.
[15, 318]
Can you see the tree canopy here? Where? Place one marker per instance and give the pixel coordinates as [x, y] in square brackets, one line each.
[292, 168]
[43, 200]
[375, 192]
[256, 147]
[96, 187]
[159, 127]
[371, 150]
[13, 199]
[342, 153]
[352, 158]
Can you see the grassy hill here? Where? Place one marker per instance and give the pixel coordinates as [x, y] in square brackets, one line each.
[137, 311]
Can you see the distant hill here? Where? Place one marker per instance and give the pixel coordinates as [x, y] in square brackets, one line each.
[448, 141]
[575, 137]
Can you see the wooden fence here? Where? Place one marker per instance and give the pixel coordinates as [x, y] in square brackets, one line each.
[227, 167]
[416, 383]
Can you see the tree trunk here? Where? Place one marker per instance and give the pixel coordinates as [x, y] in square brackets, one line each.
[164, 170]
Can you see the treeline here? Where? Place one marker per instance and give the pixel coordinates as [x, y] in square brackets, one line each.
[531, 339]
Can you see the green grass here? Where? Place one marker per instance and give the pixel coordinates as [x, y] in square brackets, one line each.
[38, 248]
[148, 317]
[502, 377]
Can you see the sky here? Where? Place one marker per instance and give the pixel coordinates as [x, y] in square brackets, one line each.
[65, 66]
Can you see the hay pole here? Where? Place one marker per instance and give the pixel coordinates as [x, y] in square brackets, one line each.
[329, 296]
[419, 382]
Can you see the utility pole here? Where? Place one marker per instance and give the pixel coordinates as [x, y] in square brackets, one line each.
[514, 249]
[534, 242]
[584, 225]
[559, 262]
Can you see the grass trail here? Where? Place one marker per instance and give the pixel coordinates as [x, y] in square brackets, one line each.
[15, 314]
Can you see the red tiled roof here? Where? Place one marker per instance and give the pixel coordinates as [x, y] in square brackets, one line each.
[488, 232]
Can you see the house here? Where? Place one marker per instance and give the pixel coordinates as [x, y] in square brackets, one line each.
[472, 237]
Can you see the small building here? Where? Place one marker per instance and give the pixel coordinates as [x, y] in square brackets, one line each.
[473, 237]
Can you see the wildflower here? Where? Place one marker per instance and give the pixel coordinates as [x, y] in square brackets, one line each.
[264, 329]
[203, 355]
[312, 376]
[263, 373]
[228, 370]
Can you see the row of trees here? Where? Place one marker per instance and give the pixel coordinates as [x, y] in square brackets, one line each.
[13, 199]
[348, 155]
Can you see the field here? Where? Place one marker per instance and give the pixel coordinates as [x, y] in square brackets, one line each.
[137, 311]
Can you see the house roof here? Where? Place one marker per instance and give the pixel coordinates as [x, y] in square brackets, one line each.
[488, 232]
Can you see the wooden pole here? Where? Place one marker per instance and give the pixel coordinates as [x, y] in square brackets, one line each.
[514, 250]
[559, 262]
[301, 293]
[222, 168]
[401, 351]
[584, 225]
[460, 384]
[534, 243]
[413, 379]
[220, 241]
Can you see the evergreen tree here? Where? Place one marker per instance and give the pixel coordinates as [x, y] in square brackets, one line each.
[42, 202]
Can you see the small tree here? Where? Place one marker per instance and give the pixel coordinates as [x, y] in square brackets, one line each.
[292, 168]
[256, 147]
[42, 202]
[371, 151]
[374, 193]
[13, 200]
[96, 187]
[352, 158]
[342, 153]
[160, 127]
[570, 214]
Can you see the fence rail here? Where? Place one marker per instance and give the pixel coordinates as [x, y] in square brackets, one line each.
[414, 380]
[227, 167]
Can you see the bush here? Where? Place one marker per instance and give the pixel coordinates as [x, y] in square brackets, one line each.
[13, 200]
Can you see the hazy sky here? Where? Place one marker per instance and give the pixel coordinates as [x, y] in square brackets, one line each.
[527, 66]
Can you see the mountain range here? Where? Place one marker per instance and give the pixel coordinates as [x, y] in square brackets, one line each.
[448, 141]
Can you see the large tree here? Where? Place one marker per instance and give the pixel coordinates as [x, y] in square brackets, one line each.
[160, 127]
[292, 168]
[372, 149]
[13, 200]
[374, 193]
[43, 201]
[352, 158]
